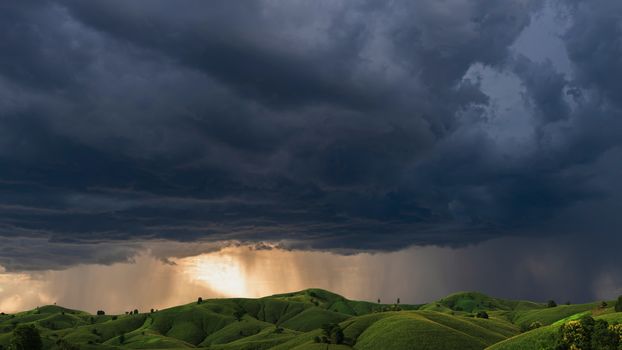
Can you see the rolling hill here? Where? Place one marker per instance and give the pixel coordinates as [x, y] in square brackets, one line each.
[295, 321]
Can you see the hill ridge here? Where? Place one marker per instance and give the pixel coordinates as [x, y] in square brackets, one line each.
[295, 320]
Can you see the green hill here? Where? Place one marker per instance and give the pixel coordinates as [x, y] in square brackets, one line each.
[295, 321]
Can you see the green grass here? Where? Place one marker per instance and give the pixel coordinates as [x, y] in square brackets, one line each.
[293, 321]
[548, 316]
[544, 337]
[412, 330]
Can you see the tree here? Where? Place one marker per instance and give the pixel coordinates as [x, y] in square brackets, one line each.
[135, 311]
[398, 301]
[588, 334]
[378, 300]
[551, 303]
[619, 304]
[603, 304]
[603, 337]
[100, 312]
[200, 300]
[332, 333]
[26, 338]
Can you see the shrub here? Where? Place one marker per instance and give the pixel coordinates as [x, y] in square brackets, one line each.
[135, 311]
[122, 338]
[551, 303]
[100, 312]
[200, 301]
[238, 314]
[62, 344]
[482, 314]
[535, 325]
[317, 339]
[26, 338]
[619, 304]
[115, 317]
[573, 335]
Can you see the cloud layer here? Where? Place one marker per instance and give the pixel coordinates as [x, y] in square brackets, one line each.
[318, 125]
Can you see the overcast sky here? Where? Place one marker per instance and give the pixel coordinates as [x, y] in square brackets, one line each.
[333, 126]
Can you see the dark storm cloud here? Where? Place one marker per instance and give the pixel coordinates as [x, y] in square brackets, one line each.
[327, 125]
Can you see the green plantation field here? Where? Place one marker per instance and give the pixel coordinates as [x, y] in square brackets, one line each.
[309, 320]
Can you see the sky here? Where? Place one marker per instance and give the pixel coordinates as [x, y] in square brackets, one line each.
[380, 149]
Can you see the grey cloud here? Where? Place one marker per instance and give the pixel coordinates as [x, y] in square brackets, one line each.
[341, 126]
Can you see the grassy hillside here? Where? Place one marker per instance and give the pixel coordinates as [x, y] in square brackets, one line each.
[295, 321]
[544, 337]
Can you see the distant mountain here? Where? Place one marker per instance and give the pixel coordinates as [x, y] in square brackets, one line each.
[311, 319]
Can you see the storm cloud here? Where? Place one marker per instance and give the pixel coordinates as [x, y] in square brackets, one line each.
[344, 126]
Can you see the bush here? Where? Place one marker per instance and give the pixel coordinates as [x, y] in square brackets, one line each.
[619, 304]
[26, 338]
[200, 301]
[100, 312]
[535, 325]
[551, 303]
[482, 314]
[589, 334]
